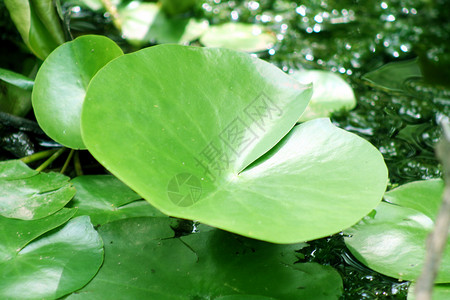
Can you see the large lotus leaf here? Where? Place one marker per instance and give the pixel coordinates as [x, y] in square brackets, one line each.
[61, 83]
[330, 93]
[440, 292]
[391, 240]
[239, 36]
[194, 118]
[146, 22]
[143, 261]
[29, 195]
[105, 198]
[395, 76]
[56, 264]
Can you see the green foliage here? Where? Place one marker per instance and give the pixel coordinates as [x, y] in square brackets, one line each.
[330, 93]
[395, 76]
[61, 84]
[146, 22]
[210, 264]
[391, 239]
[15, 92]
[53, 265]
[239, 36]
[29, 195]
[105, 199]
[38, 24]
[180, 117]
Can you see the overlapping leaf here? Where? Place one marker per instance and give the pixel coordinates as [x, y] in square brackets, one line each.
[26, 194]
[143, 259]
[58, 263]
[104, 199]
[391, 240]
[330, 93]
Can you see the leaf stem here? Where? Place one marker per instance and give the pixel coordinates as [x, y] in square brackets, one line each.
[54, 156]
[37, 156]
[66, 163]
[77, 164]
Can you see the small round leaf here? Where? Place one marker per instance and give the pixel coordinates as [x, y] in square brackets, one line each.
[61, 84]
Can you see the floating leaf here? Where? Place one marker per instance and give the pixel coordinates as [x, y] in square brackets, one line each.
[146, 22]
[105, 199]
[239, 36]
[395, 76]
[143, 260]
[330, 93]
[183, 134]
[391, 240]
[30, 195]
[56, 264]
[61, 84]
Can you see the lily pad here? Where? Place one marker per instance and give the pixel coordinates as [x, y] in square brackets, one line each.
[143, 23]
[391, 240]
[143, 260]
[56, 264]
[61, 83]
[104, 199]
[330, 93]
[29, 195]
[239, 36]
[395, 76]
[196, 118]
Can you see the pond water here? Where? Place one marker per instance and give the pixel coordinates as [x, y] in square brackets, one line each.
[353, 38]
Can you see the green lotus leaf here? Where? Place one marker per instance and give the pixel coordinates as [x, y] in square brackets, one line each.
[61, 84]
[29, 195]
[330, 93]
[144, 261]
[146, 22]
[395, 76]
[440, 292]
[104, 199]
[391, 240]
[16, 234]
[193, 121]
[239, 36]
[56, 264]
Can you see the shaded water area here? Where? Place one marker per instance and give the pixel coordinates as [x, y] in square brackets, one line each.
[353, 38]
